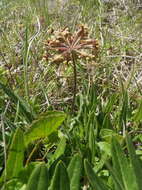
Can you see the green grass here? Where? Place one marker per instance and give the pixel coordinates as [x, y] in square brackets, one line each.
[108, 101]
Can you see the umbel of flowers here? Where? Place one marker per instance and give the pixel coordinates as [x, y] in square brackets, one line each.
[66, 46]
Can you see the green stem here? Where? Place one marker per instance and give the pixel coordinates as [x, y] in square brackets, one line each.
[32, 152]
[26, 65]
[75, 81]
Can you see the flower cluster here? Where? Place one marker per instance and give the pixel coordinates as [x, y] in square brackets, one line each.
[63, 45]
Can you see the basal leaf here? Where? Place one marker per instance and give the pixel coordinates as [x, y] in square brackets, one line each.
[74, 172]
[135, 163]
[60, 149]
[44, 126]
[122, 167]
[39, 179]
[60, 180]
[14, 163]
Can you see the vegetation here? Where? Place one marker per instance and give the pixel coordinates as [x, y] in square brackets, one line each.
[70, 95]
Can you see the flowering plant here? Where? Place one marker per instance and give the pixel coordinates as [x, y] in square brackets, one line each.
[65, 46]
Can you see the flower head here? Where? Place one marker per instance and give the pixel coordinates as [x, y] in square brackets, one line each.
[64, 44]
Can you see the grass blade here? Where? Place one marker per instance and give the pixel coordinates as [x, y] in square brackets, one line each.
[23, 106]
[138, 115]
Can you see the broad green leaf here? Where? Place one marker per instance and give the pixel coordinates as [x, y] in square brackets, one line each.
[116, 180]
[116, 171]
[135, 163]
[39, 179]
[60, 149]
[74, 172]
[60, 180]
[52, 166]
[122, 167]
[94, 180]
[14, 163]
[25, 109]
[44, 126]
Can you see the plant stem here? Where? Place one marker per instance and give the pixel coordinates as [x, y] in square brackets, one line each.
[26, 65]
[32, 152]
[75, 81]
[4, 147]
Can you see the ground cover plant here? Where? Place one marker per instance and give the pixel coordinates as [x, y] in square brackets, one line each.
[70, 95]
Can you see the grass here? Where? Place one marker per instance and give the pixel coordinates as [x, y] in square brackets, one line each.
[108, 98]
